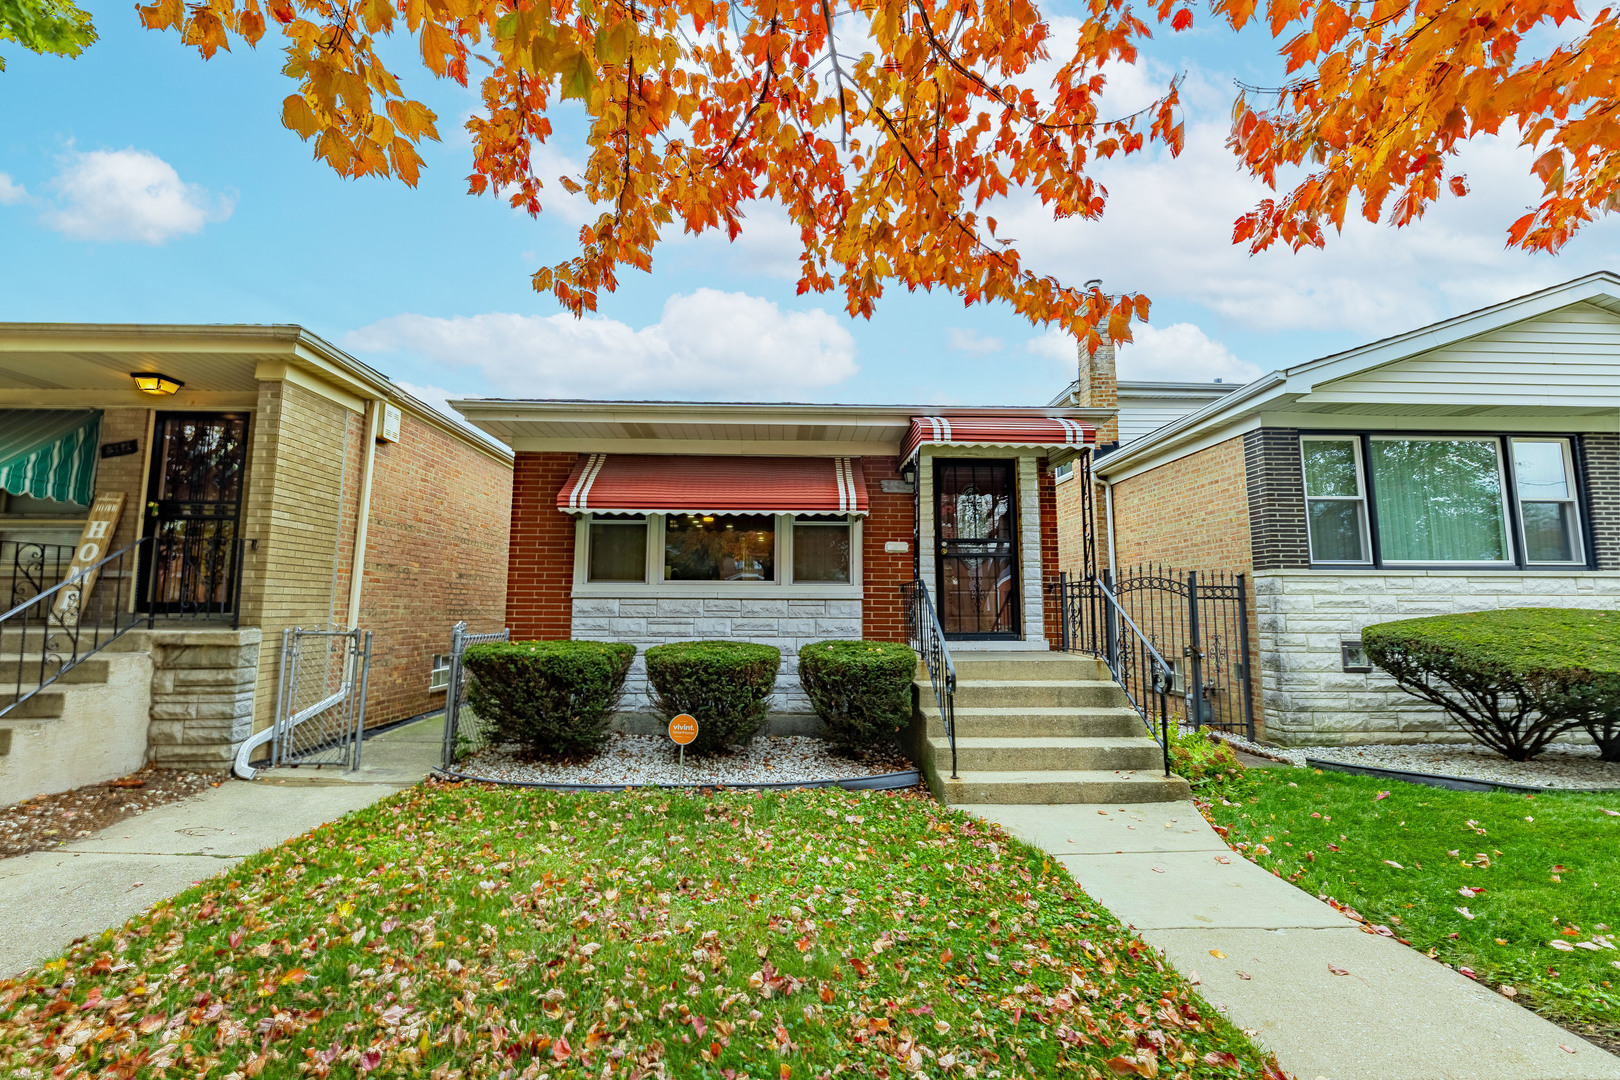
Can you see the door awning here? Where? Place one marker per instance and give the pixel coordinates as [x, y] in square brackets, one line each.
[49, 453]
[1052, 433]
[700, 484]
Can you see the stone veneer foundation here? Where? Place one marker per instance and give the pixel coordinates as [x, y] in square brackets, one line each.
[784, 623]
[1304, 616]
[203, 684]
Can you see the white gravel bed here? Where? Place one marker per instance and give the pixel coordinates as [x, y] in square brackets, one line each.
[653, 759]
[1560, 766]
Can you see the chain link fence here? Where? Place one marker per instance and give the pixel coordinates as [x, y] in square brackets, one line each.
[464, 732]
[321, 697]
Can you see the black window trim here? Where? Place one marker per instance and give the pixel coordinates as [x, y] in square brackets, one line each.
[1583, 501]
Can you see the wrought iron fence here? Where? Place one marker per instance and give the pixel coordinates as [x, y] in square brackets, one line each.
[193, 577]
[50, 628]
[924, 634]
[464, 731]
[1197, 621]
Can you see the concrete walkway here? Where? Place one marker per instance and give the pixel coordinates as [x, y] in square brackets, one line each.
[49, 898]
[1396, 1015]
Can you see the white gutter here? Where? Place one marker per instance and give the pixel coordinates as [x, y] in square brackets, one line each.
[357, 568]
[1108, 503]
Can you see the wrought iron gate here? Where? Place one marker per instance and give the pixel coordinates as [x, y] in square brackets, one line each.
[321, 697]
[1197, 620]
[463, 731]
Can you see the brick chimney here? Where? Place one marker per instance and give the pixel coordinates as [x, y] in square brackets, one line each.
[1098, 388]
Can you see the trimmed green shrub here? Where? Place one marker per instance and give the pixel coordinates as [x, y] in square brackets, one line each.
[552, 698]
[1208, 765]
[725, 685]
[1515, 679]
[860, 689]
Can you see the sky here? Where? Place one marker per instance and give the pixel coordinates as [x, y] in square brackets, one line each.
[139, 183]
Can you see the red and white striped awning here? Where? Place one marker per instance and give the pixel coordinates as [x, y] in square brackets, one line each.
[1040, 431]
[698, 484]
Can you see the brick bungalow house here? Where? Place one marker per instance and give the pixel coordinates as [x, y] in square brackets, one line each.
[650, 522]
[268, 480]
[1466, 465]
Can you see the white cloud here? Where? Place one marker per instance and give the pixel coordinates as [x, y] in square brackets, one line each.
[129, 195]
[1180, 352]
[971, 341]
[707, 344]
[11, 191]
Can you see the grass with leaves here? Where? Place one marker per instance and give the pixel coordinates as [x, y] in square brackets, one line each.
[478, 932]
[1519, 892]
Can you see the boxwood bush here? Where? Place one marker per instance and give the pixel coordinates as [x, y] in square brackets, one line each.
[725, 685]
[860, 689]
[1515, 679]
[553, 698]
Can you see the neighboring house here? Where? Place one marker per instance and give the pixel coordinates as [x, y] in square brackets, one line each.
[1471, 464]
[651, 522]
[268, 481]
[1145, 407]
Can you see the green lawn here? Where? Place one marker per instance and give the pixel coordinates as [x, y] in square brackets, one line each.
[480, 933]
[1523, 892]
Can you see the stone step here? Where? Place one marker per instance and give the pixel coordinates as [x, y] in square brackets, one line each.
[1027, 665]
[1050, 787]
[1040, 693]
[1050, 754]
[92, 670]
[46, 705]
[1033, 723]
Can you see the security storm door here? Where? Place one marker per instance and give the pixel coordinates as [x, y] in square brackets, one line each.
[193, 510]
[976, 524]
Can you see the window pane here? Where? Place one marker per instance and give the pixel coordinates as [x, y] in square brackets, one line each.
[820, 551]
[1549, 531]
[1330, 467]
[618, 551]
[1336, 530]
[1538, 466]
[720, 547]
[1438, 500]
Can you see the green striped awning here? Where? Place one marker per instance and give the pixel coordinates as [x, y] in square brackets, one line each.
[49, 453]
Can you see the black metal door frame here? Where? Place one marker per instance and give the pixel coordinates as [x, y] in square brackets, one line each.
[217, 559]
[941, 553]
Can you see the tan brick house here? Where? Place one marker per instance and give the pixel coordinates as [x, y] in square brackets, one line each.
[1466, 465]
[271, 481]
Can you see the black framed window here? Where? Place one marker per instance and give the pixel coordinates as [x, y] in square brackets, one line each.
[617, 549]
[1443, 500]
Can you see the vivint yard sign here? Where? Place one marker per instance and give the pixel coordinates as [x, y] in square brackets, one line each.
[82, 573]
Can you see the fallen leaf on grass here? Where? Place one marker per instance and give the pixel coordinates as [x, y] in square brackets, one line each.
[1465, 913]
[1562, 946]
[1381, 795]
[1468, 971]
[1220, 1057]
[1392, 862]
[1611, 813]
[1337, 970]
[1508, 991]
[1468, 892]
[1123, 1066]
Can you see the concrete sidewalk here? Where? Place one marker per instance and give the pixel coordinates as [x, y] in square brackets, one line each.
[1396, 1015]
[49, 898]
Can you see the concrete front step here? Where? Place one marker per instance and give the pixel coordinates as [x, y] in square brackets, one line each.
[1040, 693]
[1050, 754]
[48, 704]
[1026, 665]
[93, 670]
[1060, 786]
[1033, 722]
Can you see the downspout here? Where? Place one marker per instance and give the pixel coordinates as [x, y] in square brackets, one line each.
[357, 569]
[1108, 505]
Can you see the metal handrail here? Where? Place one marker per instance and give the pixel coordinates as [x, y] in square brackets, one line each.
[924, 634]
[1116, 657]
[60, 637]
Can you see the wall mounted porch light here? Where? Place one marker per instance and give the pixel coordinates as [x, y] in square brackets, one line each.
[154, 383]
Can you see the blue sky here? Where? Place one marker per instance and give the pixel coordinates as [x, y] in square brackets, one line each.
[139, 183]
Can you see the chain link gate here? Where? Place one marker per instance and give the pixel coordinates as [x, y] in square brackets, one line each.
[463, 732]
[321, 697]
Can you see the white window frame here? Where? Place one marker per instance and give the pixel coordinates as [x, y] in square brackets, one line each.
[1510, 540]
[582, 547]
[1572, 500]
[1360, 497]
[436, 669]
[655, 585]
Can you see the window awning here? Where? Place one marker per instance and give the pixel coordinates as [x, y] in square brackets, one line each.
[1052, 433]
[49, 453]
[699, 484]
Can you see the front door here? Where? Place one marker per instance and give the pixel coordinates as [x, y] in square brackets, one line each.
[976, 521]
[193, 510]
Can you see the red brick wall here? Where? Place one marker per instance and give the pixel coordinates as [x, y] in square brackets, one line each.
[436, 551]
[540, 575]
[1192, 513]
[892, 517]
[1049, 549]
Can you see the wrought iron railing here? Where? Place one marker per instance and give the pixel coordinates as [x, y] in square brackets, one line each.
[47, 633]
[1095, 623]
[193, 577]
[33, 568]
[1198, 621]
[924, 634]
